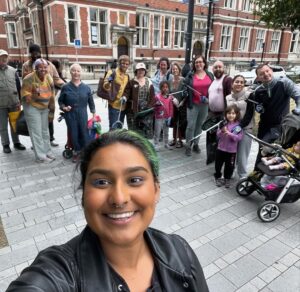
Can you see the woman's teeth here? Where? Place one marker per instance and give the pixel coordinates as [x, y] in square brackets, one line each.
[120, 215]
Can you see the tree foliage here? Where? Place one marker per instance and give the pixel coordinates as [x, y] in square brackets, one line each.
[279, 13]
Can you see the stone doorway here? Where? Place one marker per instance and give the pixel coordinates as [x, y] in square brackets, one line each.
[123, 47]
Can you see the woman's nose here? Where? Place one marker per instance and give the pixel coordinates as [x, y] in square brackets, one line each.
[119, 195]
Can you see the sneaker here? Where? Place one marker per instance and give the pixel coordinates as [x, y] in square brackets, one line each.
[167, 146]
[179, 144]
[6, 149]
[188, 151]
[227, 183]
[219, 182]
[156, 147]
[53, 144]
[19, 146]
[43, 160]
[172, 143]
[51, 156]
[196, 148]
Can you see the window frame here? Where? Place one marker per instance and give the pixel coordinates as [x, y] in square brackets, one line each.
[261, 40]
[244, 39]
[231, 4]
[158, 30]
[167, 32]
[99, 24]
[180, 32]
[142, 31]
[75, 21]
[275, 41]
[228, 39]
[12, 43]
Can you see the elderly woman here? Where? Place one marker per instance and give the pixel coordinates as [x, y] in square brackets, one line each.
[74, 98]
[198, 82]
[140, 98]
[117, 251]
[37, 94]
[121, 78]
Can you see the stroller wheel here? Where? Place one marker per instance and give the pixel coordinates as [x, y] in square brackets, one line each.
[67, 153]
[245, 187]
[268, 211]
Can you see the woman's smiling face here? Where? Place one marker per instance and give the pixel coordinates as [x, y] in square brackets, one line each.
[119, 194]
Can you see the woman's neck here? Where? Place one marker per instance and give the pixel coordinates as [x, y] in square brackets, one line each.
[200, 73]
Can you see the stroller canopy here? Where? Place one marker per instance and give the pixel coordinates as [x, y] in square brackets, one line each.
[290, 130]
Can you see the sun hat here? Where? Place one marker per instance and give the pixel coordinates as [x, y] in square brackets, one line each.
[3, 52]
[140, 66]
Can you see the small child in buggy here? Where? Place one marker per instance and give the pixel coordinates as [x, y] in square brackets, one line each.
[281, 183]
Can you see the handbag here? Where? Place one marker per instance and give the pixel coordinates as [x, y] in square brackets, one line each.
[112, 93]
[21, 125]
[13, 117]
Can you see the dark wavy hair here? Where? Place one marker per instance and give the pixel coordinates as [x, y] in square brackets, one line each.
[164, 59]
[236, 109]
[204, 61]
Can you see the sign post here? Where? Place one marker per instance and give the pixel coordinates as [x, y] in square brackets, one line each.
[77, 45]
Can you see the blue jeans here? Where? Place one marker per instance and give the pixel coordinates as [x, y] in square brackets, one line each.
[113, 115]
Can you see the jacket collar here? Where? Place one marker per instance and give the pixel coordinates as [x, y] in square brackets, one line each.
[95, 273]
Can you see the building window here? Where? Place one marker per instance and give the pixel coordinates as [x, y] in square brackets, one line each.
[229, 4]
[98, 23]
[73, 23]
[260, 40]
[247, 5]
[50, 28]
[142, 26]
[35, 27]
[12, 35]
[156, 31]
[244, 36]
[167, 32]
[226, 38]
[294, 42]
[180, 26]
[122, 18]
[275, 41]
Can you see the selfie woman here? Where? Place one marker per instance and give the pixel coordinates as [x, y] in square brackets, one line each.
[117, 251]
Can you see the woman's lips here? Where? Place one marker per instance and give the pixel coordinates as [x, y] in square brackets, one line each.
[121, 218]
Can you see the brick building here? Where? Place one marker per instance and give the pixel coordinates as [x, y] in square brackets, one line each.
[143, 29]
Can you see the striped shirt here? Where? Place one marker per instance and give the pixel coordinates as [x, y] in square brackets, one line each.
[41, 93]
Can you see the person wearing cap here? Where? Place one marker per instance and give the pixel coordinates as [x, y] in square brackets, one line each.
[140, 97]
[38, 94]
[9, 101]
[35, 53]
[121, 78]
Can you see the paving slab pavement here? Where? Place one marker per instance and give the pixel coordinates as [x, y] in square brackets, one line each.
[40, 206]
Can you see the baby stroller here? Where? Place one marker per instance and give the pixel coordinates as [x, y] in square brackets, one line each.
[68, 152]
[143, 121]
[290, 191]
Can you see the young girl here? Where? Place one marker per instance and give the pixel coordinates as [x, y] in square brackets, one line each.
[163, 113]
[227, 145]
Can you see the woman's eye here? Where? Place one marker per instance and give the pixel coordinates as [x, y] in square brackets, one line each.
[100, 182]
[136, 180]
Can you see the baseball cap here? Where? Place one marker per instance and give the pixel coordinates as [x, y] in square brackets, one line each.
[140, 66]
[3, 52]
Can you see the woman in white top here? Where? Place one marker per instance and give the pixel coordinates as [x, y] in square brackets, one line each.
[239, 96]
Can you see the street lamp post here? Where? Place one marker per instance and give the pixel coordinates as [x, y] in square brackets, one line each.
[210, 3]
[188, 39]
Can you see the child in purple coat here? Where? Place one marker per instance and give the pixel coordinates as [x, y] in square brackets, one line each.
[228, 139]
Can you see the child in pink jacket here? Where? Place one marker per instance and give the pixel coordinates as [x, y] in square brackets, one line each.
[163, 113]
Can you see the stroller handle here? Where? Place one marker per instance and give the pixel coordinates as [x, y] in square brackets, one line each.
[273, 146]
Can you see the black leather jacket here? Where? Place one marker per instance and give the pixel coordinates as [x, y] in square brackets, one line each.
[80, 265]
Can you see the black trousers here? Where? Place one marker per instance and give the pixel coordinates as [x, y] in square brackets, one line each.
[51, 130]
[228, 160]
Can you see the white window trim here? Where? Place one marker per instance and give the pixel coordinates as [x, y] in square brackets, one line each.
[148, 29]
[159, 29]
[9, 35]
[230, 45]
[107, 26]
[247, 40]
[126, 18]
[278, 42]
[169, 30]
[180, 31]
[50, 28]
[264, 41]
[233, 5]
[67, 22]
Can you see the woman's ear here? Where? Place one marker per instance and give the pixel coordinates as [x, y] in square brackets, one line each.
[157, 192]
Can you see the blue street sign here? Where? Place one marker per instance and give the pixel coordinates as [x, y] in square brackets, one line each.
[77, 43]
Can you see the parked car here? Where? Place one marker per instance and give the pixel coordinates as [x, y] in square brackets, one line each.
[294, 71]
[250, 76]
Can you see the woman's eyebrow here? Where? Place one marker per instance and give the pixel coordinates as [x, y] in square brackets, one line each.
[109, 172]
